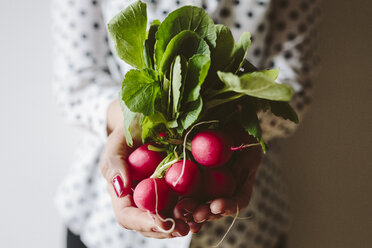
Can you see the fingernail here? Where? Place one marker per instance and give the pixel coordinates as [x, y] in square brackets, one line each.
[176, 234]
[154, 230]
[200, 221]
[118, 184]
[220, 212]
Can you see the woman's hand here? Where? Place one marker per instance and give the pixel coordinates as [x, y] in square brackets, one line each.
[115, 170]
[244, 169]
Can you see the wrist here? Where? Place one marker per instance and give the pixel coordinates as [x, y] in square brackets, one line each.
[114, 116]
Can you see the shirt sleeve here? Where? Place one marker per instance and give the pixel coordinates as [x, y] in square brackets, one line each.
[291, 47]
[82, 83]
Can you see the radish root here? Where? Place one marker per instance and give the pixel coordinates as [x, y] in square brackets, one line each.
[239, 148]
[161, 218]
[228, 230]
[184, 147]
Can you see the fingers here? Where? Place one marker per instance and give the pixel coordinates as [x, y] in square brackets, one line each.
[223, 206]
[245, 168]
[181, 229]
[194, 227]
[184, 211]
[132, 218]
[228, 206]
[202, 213]
[185, 208]
[113, 165]
[150, 225]
[116, 172]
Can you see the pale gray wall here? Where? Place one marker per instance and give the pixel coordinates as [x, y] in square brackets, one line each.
[35, 146]
[326, 163]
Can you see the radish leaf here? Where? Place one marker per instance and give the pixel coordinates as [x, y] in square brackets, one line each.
[239, 53]
[129, 118]
[284, 110]
[192, 113]
[273, 73]
[186, 18]
[222, 53]
[186, 43]
[149, 123]
[128, 31]
[140, 91]
[178, 78]
[196, 73]
[280, 109]
[249, 120]
[150, 43]
[186, 66]
[227, 56]
[256, 84]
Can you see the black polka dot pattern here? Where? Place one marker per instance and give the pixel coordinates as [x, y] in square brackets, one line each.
[87, 78]
[292, 31]
[225, 12]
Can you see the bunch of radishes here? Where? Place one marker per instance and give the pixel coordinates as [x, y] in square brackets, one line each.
[205, 175]
[188, 75]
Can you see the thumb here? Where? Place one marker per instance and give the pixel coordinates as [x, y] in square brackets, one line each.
[113, 166]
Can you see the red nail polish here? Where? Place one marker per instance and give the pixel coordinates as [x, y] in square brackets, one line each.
[118, 184]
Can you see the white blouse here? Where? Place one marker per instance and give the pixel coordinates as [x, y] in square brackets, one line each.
[88, 76]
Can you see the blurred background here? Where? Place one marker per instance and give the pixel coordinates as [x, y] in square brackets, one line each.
[327, 163]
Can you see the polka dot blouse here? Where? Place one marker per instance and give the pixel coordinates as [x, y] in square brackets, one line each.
[88, 76]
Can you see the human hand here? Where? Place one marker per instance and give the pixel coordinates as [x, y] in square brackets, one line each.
[244, 169]
[115, 170]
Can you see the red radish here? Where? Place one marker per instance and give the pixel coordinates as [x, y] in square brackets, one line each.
[143, 162]
[211, 148]
[152, 194]
[186, 182]
[218, 183]
[163, 135]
